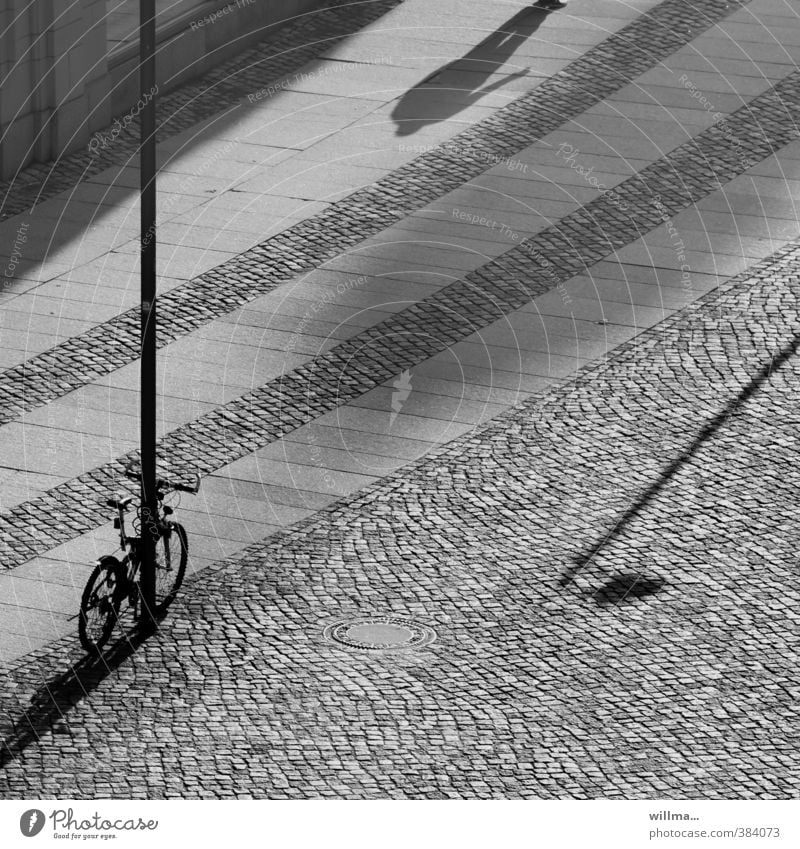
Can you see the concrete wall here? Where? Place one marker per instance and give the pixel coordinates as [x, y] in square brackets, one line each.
[200, 39]
[58, 81]
[54, 79]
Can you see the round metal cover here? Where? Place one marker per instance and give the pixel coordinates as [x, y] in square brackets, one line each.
[380, 633]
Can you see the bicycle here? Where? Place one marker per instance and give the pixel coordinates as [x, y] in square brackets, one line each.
[113, 581]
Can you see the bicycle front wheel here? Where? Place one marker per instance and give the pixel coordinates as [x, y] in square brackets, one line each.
[100, 604]
[172, 552]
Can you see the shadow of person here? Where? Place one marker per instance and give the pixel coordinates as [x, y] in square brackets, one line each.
[463, 82]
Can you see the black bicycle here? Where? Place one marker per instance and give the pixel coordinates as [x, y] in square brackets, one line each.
[114, 581]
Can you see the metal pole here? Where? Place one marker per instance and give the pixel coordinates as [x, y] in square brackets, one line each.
[147, 176]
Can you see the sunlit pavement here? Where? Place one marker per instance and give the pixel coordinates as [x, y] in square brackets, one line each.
[489, 374]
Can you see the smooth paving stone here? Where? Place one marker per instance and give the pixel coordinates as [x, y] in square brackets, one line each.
[657, 99]
[358, 264]
[251, 323]
[748, 225]
[406, 426]
[327, 283]
[588, 308]
[273, 211]
[99, 398]
[511, 378]
[557, 328]
[14, 646]
[714, 243]
[327, 432]
[620, 146]
[200, 523]
[454, 232]
[57, 452]
[33, 623]
[209, 548]
[259, 510]
[195, 236]
[35, 594]
[297, 310]
[171, 260]
[461, 389]
[649, 117]
[226, 484]
[83, 551]
[78, 420]
[515, 214]
[664, 257]
[746, 204]
[544, 155]
[410, 255]
[184, 378]
[317, 182]
[249, 337]
[531, 337]
[302, 477]
[12, 320]
[535, 188]
[622, 291]
[666, 277]
[538, 362]
[60, 308]
[10, 476]
[244, 353]
[419, 403]
[46, 573]
[335, 459]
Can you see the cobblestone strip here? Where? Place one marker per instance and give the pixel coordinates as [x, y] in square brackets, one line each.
[295, 44]
[587, 81]
[530, 691]
[430, 326]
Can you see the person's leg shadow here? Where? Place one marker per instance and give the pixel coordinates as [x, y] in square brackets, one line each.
[461, 83]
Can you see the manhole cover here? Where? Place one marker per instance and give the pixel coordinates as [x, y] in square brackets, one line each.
[379, 633]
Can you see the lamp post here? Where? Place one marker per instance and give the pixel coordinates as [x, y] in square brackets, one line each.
[147, 178]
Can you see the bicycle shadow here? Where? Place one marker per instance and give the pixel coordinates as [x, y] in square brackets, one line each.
[56, 697]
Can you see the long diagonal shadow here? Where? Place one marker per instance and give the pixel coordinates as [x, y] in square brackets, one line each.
[586, 557]
[58, 695]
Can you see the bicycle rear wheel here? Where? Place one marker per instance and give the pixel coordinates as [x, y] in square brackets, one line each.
[100, 604]
[172, 551]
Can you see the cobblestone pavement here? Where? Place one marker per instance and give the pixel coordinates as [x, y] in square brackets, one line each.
[607, 567]
[652, 196]
[609, 570]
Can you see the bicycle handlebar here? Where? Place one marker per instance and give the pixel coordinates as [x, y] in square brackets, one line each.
[182, 487]
[165, 483]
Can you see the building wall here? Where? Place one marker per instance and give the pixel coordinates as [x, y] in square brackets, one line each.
[54, 82]
[197, 40]
[58, 81]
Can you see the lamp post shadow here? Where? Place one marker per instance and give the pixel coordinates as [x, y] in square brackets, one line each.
[642, 586]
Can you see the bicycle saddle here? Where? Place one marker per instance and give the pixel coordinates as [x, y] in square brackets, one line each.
[119, 503]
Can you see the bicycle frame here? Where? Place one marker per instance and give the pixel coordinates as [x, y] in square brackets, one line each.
[114, 580]
[132, 547]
